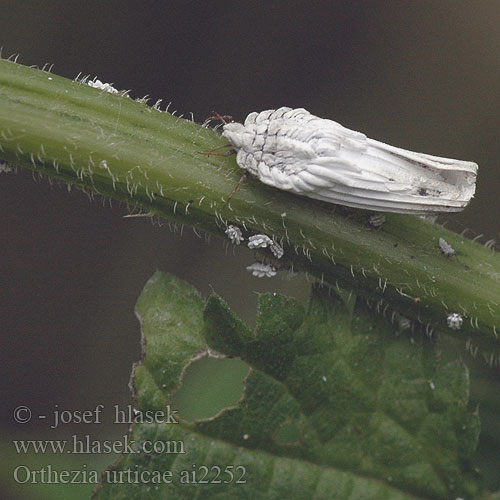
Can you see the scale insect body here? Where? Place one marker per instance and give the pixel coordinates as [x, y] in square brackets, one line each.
[293, 150]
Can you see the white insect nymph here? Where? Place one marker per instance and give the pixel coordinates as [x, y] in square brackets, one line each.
[259, 270]
[455, 321]
[446, 248]
[293, 150]
[263, 241]
[107, 87]
[234, 234]
[5, 168]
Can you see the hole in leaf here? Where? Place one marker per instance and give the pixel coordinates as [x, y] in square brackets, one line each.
[288, 434]
[208, 386]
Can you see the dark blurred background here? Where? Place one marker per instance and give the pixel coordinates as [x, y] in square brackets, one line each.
[419, 75]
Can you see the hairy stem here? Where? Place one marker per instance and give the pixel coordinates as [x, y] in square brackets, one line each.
[115, 146]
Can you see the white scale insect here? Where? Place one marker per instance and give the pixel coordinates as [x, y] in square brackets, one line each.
[293, 150]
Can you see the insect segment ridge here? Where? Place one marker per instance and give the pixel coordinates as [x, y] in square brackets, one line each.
[293, 150]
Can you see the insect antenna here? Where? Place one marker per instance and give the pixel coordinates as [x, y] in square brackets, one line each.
[224, 119]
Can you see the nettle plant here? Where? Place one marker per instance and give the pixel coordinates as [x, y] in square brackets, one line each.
[347, 397]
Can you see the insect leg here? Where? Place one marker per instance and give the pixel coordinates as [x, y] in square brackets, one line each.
[211, 152]
[240, 182]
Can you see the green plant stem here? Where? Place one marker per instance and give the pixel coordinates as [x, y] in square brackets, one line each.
[123, 149]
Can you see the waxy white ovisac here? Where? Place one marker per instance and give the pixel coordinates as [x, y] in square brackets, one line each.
[293, 150]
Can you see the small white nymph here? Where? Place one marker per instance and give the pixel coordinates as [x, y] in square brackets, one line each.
[293, 150]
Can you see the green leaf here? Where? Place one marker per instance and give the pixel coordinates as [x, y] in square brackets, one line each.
[335, 406]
